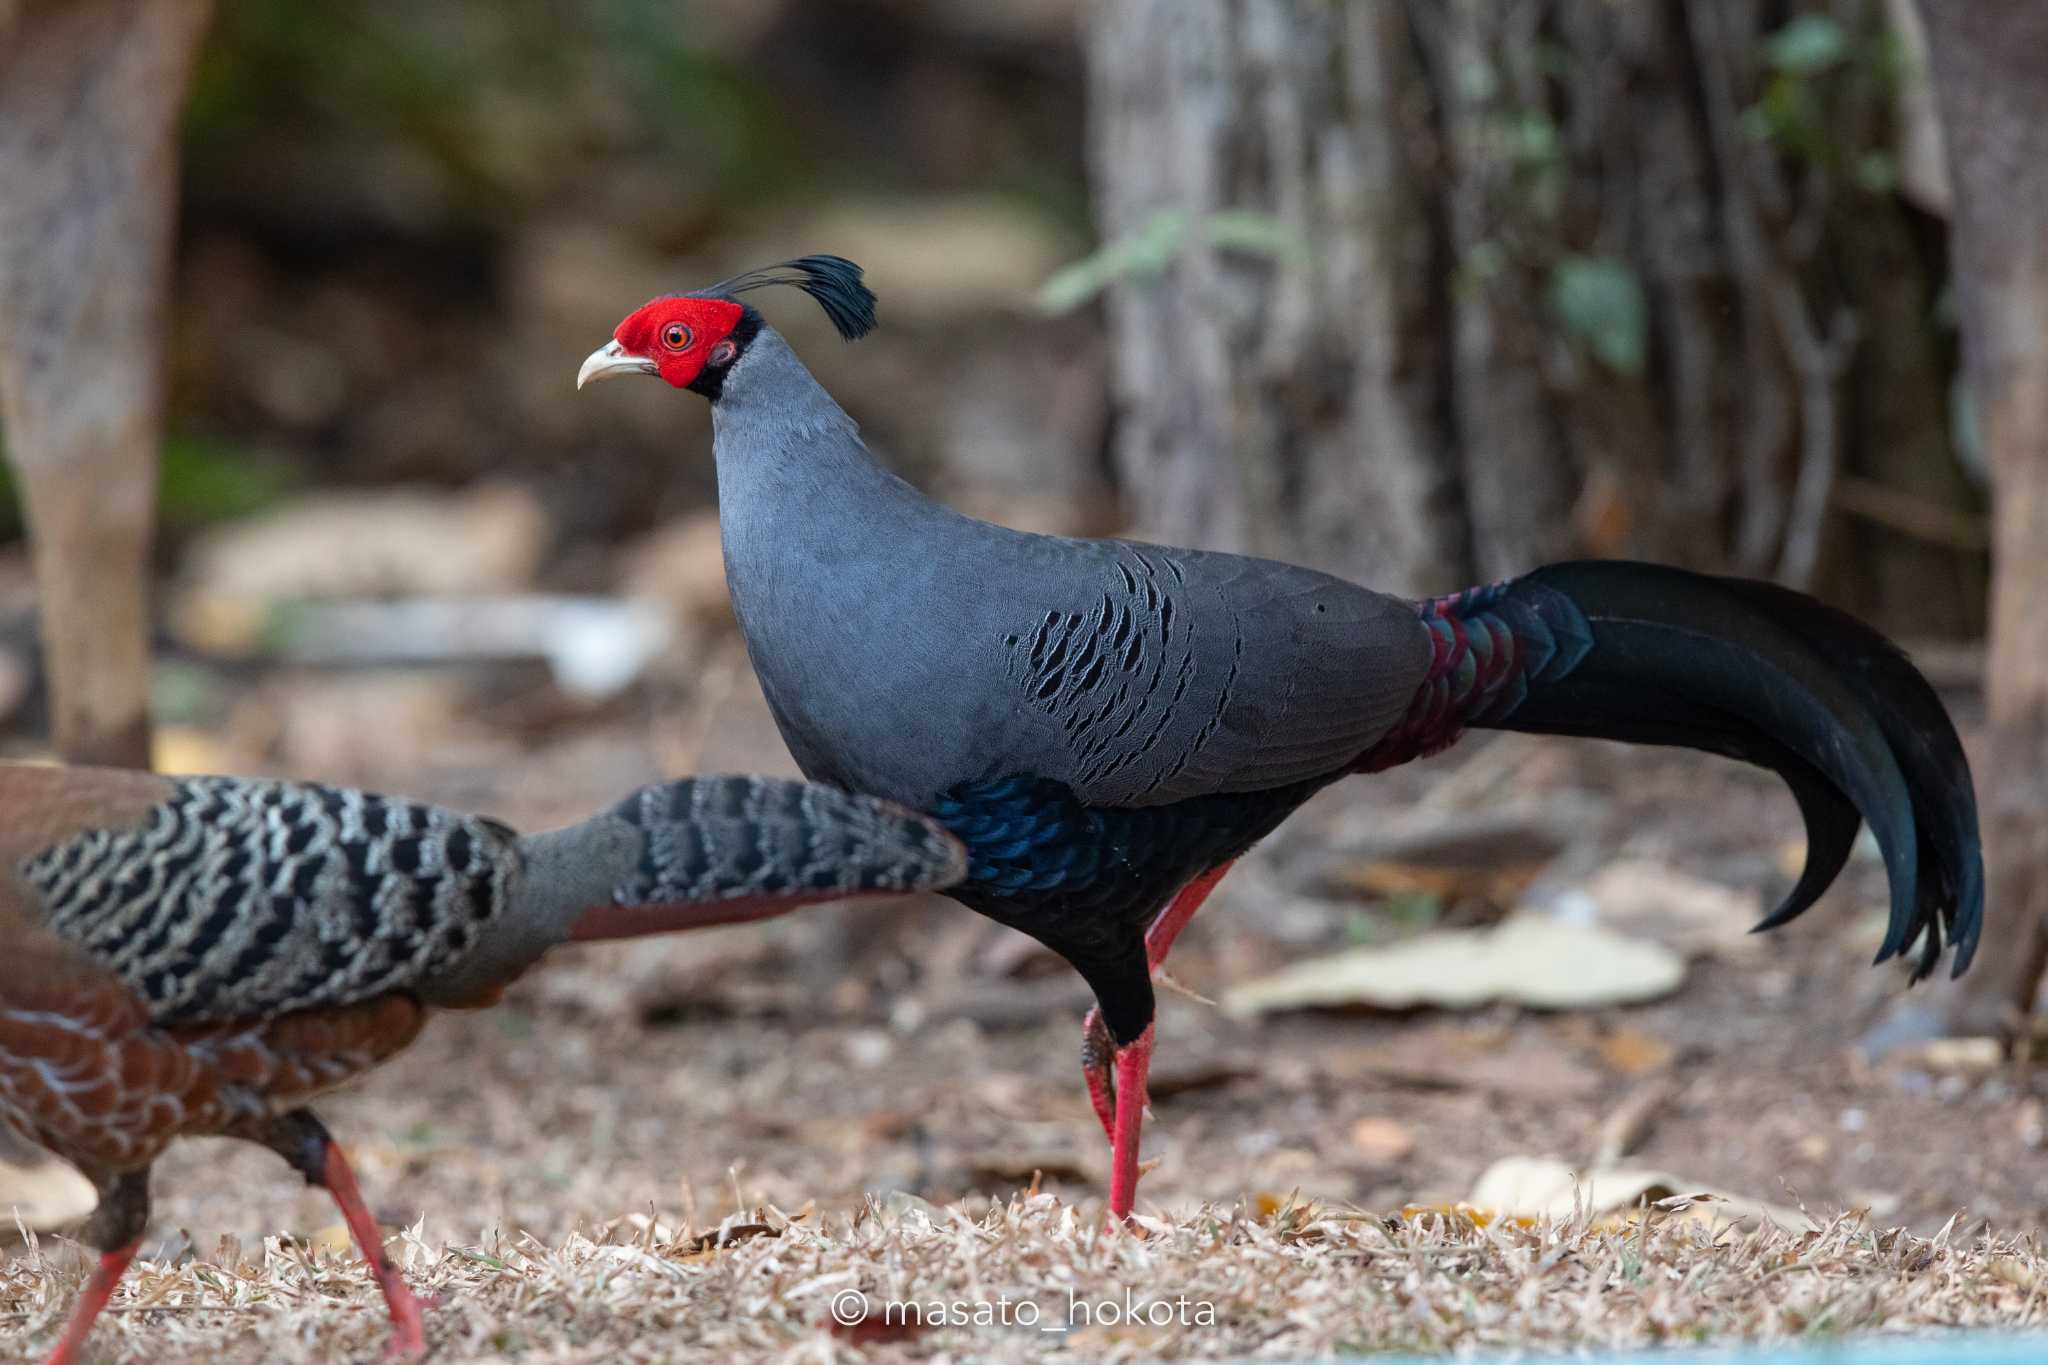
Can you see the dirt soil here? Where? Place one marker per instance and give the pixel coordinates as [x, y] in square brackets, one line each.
[862, 1052]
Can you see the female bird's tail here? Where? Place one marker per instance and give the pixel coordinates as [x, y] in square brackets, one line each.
[1657, 655]
[718, 850]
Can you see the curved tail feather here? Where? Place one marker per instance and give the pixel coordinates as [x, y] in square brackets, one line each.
[1656, 655]
[1930, 754]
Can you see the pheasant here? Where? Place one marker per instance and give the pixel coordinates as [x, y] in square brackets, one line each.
[1107, 725]
[204, 955]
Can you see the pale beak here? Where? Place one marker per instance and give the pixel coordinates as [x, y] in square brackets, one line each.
[609, 361]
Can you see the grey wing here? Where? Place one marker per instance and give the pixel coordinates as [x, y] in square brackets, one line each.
[1173, 673]
[241, 899]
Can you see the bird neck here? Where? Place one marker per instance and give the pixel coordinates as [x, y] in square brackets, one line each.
[789, 457]
[562, 875]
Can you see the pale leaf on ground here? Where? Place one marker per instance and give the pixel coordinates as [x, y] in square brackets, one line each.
[1455, 1057]
[1379, 1139]
[1529, 959]
[42, 1197]
[396, 542]
[1543, 1188]
[1651, 900]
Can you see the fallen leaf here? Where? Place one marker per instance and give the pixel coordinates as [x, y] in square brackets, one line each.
[401, 542]
[1453, 1057]
[1381, 1140]
[1466, 1212]
[722, 1236]
[1969, 1056]
[43, 1195]
[1529, 959]
[1623, 1128]
[1496, 886]
[180, 749]
[1602, 516]
[334, 1238]
[1633, 1052]
[878, 1330]
[1540, 1187]
[2015, 1271]
[1491, 857]
[1691, 914]
[1026, 1167]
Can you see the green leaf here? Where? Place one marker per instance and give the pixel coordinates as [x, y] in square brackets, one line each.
[1809, 44]
[1145, 252]
[1531, 138]
[1877, 172]
[1258, 233]
[1149, 250]
[1600, 302]
[203, 481]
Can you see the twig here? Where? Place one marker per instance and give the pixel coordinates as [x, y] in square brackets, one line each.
[1817, 361]
[1908, 515]
[1627, 1122]
[1819, 364]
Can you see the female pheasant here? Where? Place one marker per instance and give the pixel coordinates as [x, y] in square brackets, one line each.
[204, 955]
[1107, 725]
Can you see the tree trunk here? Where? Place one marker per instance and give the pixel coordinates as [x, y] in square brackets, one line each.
[1286, 401]
[1422, 291]
[1994, 112]
[90, 92]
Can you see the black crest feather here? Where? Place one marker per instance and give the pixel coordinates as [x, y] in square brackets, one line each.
[833, 281]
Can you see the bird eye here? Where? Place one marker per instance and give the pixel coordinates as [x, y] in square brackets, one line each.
[676, 337]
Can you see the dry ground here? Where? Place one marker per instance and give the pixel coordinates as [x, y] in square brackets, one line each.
[556, 1158]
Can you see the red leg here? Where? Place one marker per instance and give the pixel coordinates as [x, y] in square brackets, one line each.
[100, 1288]
[1159, 938]
[1133, 1061]
[410, 1339]
[1098, 1054]
[1097, 1051]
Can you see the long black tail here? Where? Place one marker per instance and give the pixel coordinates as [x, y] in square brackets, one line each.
[1656, 655]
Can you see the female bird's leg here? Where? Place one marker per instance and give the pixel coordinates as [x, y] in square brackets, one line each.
[116, 1229]
[304, 1141]
[1120, 1104]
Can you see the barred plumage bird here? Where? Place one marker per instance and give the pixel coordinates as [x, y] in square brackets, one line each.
[204, 955]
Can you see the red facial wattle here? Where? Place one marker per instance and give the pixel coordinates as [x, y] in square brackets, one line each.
[670, 337]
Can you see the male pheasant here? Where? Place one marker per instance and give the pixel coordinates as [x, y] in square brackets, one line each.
[1107, 725]
[204, 955]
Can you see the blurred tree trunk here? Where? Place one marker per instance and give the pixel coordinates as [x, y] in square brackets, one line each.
[1248, 389]
[1421, 291]
[1994, 112]
[90, 92]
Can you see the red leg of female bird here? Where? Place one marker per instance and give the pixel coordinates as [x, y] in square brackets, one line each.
[100, 1288]
[410, 1339]
[1122, 1122]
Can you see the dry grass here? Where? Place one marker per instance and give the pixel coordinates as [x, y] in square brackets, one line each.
[1293, 1282]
